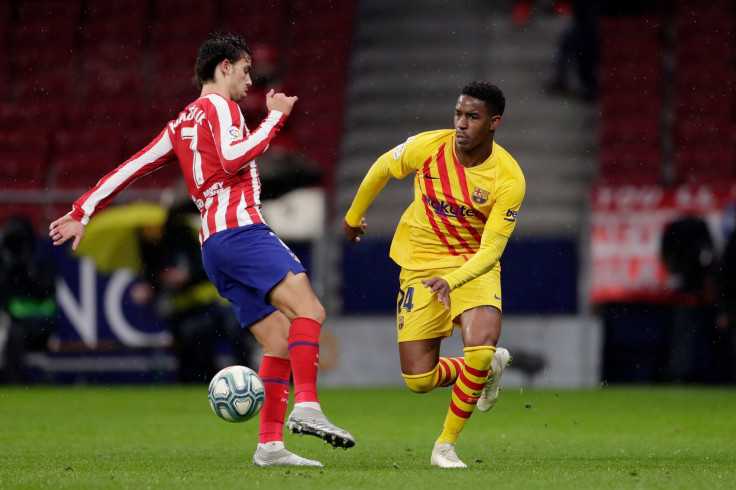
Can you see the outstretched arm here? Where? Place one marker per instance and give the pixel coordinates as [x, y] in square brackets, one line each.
[65, 228]
[354, 224]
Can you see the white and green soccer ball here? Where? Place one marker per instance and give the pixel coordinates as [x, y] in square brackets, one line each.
[236, 394]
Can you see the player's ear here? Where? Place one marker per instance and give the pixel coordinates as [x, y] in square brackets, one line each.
[495, 122]
[224, 67]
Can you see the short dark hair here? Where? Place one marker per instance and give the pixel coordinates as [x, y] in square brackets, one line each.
[488, 93]
[220, 46]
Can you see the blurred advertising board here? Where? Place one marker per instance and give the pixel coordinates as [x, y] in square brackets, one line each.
[627, 224]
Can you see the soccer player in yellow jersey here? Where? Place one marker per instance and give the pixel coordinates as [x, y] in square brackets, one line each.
[467, 194]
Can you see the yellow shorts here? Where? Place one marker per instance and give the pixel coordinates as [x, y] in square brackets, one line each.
[420, 316]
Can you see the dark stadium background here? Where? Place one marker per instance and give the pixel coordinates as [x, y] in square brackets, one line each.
[85, 83]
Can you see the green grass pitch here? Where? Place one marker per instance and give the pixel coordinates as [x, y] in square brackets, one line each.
[167, 437]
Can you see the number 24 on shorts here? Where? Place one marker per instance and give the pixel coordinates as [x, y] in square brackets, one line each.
[406, 300]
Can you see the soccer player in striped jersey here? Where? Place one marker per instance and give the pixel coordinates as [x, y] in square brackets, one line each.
[467, 194]
[249, 265]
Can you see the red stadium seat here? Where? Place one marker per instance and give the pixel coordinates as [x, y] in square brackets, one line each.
[619, 133]
[630, 166]
[107, 112]
[113, 70]
[26, 114]
[49, 9]
[625, 104]
[632, 50]
[82, 170]
[73, 140]
[703, 132]
[23, 170]
[261, 22]
[641, 27]
[705, 165]
[34, 212]
[702, 23]
[25, 138]
[121, 22]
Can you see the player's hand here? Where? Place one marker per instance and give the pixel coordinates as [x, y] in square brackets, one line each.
[65, 228]
[353, 232]
[441, 287]
[280, 102]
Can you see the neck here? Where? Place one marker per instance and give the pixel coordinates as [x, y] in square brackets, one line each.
[474, 157]
[215, 88]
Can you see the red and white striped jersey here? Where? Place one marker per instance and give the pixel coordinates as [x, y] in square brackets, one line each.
[216, 152]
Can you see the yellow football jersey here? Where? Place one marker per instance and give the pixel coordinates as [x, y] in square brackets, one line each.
[453, 206]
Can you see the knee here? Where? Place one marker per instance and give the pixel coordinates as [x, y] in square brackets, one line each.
[276, 346]
[317, 312]
[421, 383]
[312, 310]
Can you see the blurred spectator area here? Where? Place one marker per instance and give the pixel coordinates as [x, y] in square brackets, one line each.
[84, 84]
[667, 104]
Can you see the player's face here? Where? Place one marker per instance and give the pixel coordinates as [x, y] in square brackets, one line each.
[239, 78]
[474, 125]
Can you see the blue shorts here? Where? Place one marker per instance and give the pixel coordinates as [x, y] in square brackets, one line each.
[244, 264]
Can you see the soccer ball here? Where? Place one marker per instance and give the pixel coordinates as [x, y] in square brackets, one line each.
[236, 394]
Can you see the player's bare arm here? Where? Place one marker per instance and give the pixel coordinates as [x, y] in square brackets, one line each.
[65, 228]
[353, 232]
[441, 287]
[280, 102]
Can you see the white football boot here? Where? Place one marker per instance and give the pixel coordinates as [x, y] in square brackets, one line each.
[488, 398]
[312, 422]
[444, 456]
[280, 457]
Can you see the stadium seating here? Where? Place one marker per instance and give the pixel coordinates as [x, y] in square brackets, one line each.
[634, 78]
[631, 93]
[105, 77]
[704, 93]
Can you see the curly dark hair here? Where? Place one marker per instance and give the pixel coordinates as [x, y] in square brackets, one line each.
[488, 93]
[220, 46]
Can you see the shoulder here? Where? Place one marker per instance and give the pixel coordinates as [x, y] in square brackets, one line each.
[427, 142]
[508, 164]
[219, 108]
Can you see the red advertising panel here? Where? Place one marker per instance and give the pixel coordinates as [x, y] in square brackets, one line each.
[626, 236]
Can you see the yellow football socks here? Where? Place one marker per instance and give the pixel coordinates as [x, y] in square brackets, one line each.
[468, 388]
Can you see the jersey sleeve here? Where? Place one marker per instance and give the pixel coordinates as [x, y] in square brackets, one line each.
[496, 232]
[507, 202]
[155, 155]
[235, 148]
[394, 163]
[491, 248]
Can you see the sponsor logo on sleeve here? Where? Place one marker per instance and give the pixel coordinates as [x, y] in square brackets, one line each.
[234, 133]
[511, 215]
[400, 149]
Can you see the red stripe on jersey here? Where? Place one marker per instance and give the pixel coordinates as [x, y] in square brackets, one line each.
[447, 191]
[429, 192]
[211, 215]
[231, 214]
[464, 186]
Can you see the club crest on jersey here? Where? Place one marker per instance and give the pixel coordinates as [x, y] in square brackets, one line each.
[234, 133]
[480, 196]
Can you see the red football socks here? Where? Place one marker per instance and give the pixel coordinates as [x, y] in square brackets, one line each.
[275, 373]
[304, 355]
